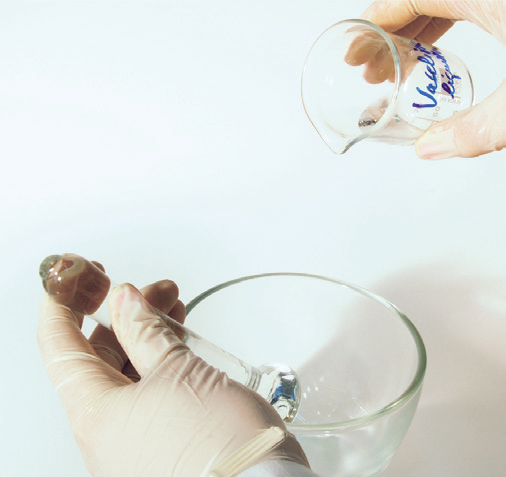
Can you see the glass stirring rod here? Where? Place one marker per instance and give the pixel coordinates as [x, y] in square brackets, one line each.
[83, 286]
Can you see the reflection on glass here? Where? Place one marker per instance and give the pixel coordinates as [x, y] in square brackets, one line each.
[360, 82]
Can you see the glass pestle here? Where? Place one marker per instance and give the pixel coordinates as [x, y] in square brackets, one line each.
[83, 286]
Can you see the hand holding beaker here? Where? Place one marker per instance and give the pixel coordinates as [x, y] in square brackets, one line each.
[480, 129]
[360, 82]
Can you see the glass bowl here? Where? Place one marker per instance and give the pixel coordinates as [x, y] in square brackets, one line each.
[359, 359]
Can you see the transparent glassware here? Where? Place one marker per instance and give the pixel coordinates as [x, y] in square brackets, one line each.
[84, 287]
[360, 82]
[360, 361]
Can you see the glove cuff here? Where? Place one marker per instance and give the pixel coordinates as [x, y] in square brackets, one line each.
[249, 453]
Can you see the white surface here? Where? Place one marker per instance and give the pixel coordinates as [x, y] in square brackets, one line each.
[168, 139]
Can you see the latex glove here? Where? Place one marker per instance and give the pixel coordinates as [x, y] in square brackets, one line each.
[477, 130]
[182, 418]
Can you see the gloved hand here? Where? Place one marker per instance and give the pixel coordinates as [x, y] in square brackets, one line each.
[477, 130]
[170, 414]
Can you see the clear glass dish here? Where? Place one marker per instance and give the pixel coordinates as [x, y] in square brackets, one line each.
[360, 361]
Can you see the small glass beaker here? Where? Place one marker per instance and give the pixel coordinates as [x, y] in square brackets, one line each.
[360, 82]
[360, 361]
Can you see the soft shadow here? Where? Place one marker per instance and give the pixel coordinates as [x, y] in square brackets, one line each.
[459, 428]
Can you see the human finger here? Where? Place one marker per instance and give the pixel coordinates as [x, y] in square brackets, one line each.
[75, 282]
[414, 28]
[163, 295]
[368, 45]
[470, 133]
[76, 371]
[394, 16]
[98, 265]
[178, 312]
[380, 68]
[364, 47]
[144, 335]
[130, 372]
[434, 30]
[370, 49]
[107, 347]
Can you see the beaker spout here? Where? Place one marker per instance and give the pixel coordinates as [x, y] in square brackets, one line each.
[340, 145]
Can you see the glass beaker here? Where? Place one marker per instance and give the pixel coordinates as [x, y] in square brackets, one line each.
[360, 82]
[360, 361]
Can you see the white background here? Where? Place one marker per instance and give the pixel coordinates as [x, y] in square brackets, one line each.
[168, 140]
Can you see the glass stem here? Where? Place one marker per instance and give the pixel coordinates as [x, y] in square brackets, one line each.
[275, 382]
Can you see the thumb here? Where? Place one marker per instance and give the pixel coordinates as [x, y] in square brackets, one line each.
[470, 133]
[146, 335]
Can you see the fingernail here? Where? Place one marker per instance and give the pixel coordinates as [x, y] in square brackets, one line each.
[123, 295]
[436, 144]
[118, 295]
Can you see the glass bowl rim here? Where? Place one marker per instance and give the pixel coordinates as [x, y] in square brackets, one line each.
[411, 390]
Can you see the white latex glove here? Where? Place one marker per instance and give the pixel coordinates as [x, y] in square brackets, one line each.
[181, 418]
[477, 130]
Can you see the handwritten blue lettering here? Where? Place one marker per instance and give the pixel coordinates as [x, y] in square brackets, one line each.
[449, 87]
[447, 82]
[429, 96]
